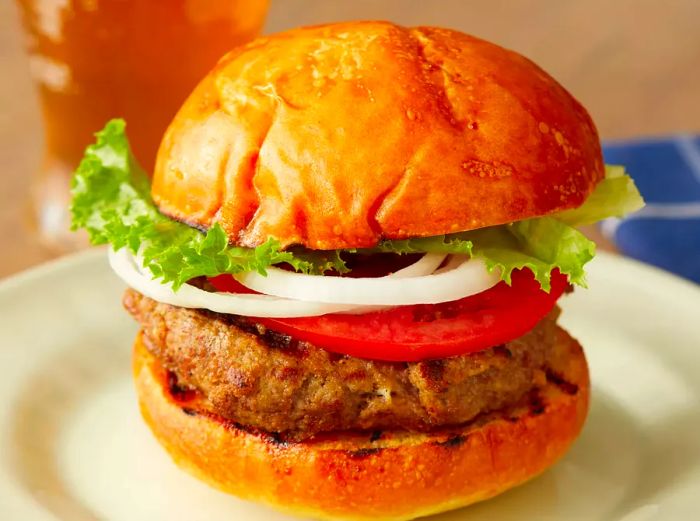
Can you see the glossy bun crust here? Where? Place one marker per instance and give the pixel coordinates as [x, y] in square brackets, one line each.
[387, 475]
[341, 135]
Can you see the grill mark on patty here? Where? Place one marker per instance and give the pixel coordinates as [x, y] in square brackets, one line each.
[248, 327]
[271, 338]
[567, 387]
[279, 340]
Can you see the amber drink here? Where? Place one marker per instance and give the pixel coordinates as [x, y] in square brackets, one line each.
[137, 59]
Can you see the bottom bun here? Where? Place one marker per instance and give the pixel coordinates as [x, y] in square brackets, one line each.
[383, 475]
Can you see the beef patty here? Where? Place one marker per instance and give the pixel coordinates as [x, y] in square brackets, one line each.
[267, 380]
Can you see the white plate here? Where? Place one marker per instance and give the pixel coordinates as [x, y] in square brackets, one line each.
[73, 447]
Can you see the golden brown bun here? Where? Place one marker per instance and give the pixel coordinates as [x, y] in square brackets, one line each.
[337, 136]
[398, 475]
[341, 135]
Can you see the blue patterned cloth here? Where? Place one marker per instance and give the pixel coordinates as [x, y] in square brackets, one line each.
[666, 232]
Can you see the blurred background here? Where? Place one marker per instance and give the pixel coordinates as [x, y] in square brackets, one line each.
[635, 64]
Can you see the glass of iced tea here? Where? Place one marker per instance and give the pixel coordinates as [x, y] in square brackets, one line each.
[137, 59]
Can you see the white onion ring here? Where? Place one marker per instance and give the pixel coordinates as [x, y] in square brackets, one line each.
[469, 278]
[426, 265]
[455, 261]
[125, 265]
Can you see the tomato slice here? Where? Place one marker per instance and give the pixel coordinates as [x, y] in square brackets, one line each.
[421, 332]
[228, 284]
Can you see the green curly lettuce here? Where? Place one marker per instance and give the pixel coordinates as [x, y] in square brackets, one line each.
[541, 244]
[451, 243]
[111, 200]
[614, 196]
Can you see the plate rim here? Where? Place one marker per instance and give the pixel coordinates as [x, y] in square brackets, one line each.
[29, 274]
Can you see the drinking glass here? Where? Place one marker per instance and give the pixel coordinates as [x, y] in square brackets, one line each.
[93, 60]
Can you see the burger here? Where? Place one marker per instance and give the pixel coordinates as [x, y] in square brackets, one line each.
[346, 267]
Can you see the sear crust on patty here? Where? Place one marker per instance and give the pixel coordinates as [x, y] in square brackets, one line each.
[269, 381]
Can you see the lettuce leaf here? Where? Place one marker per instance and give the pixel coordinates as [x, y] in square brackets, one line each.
[451, 243]
[614, 196]
[541, 245]
[112, 201]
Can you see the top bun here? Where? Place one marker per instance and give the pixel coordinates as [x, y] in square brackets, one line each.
[341, 135]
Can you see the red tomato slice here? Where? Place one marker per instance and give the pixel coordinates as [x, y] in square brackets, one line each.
[412, 333]
[228, 284]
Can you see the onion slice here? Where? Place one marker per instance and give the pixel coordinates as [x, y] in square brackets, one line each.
[426, 265]
[455, 261]
[467, 279]
[127, 267]
[289, 294]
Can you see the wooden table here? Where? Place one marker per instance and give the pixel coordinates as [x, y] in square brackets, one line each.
[635, 64]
